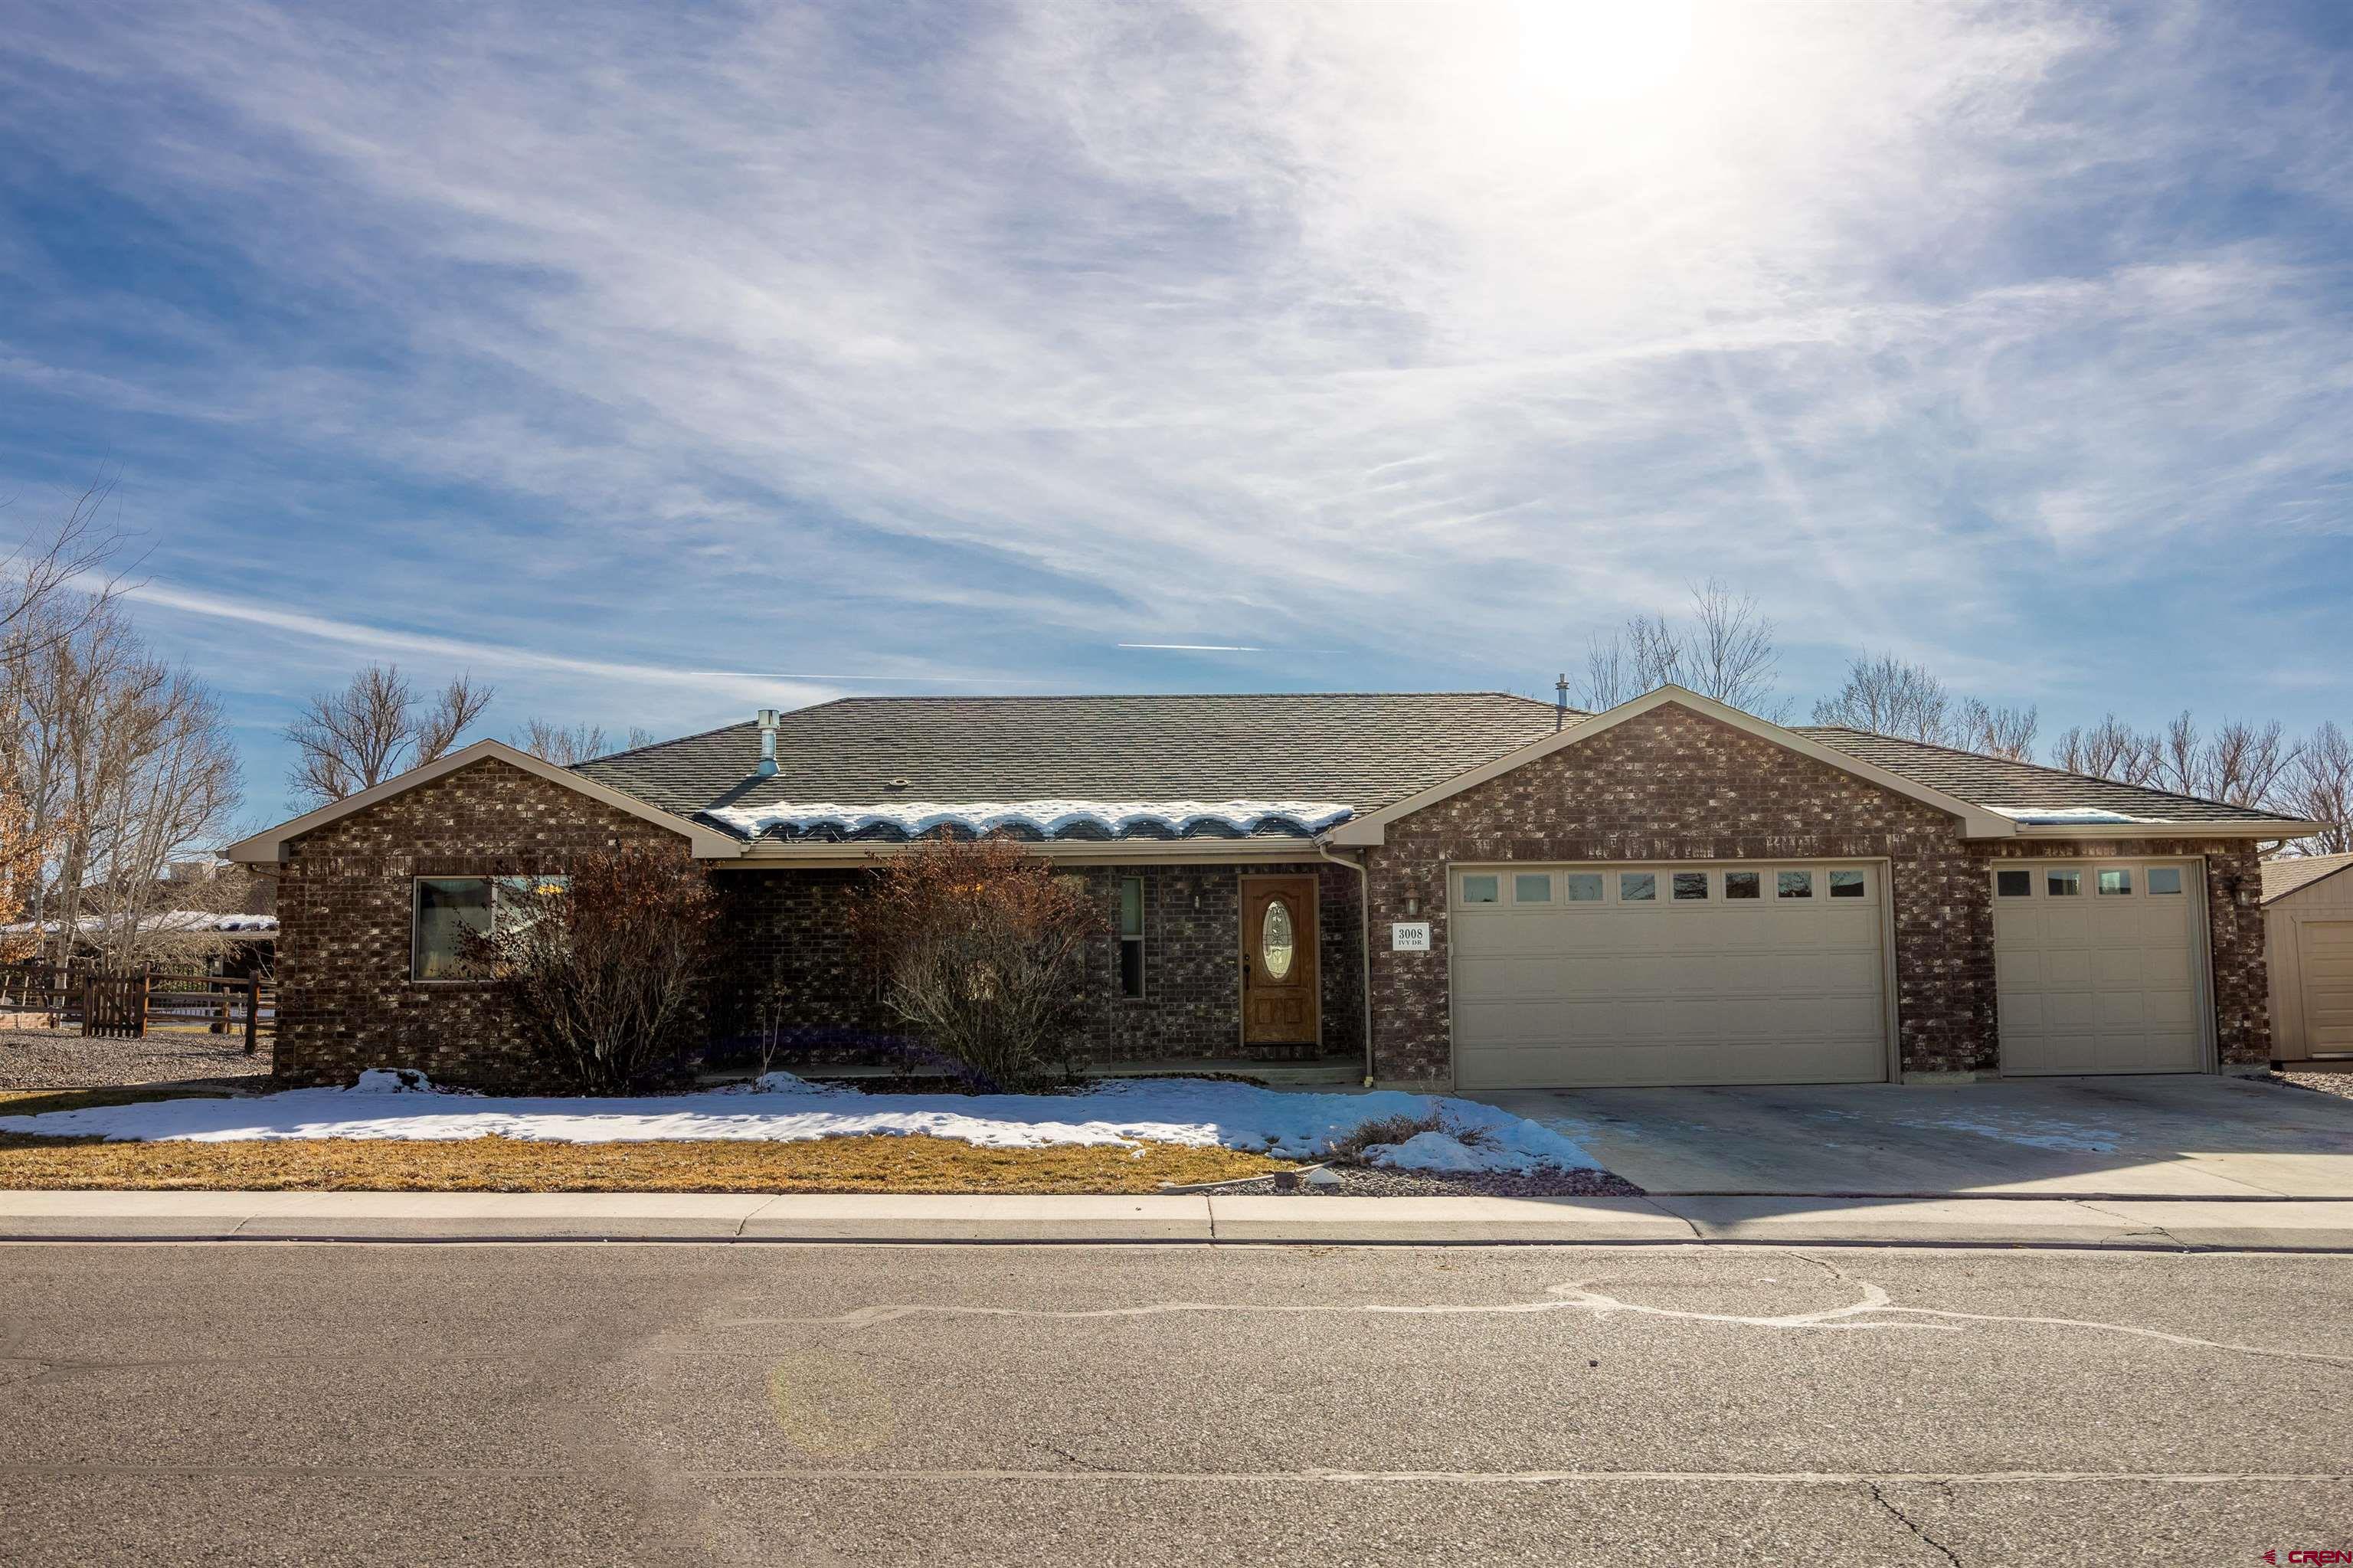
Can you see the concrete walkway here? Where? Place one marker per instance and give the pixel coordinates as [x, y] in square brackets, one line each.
[2162, 1136]
[33, 1216]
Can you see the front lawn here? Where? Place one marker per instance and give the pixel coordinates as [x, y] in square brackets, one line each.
[396, 1131]
[869, 1164]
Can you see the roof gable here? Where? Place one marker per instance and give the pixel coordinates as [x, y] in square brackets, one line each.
[270, 846]
[1370, 828]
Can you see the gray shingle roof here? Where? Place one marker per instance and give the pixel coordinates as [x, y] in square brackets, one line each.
[1998, 783]
[1361, 749]
[1365, 750]
[2282, 877]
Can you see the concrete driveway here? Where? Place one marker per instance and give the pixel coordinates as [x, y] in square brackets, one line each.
[2191, 1137]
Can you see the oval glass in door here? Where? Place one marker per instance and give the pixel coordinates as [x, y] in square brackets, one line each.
[1275, 940]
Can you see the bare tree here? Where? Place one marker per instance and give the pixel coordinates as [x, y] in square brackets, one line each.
[1888, 695]
[125, 765]
[73, 562]
[2319, 788]
[565, 748]
[2111, 750]
[357, 738]
[1727, 652]
[2242, 763]
[1997, 732]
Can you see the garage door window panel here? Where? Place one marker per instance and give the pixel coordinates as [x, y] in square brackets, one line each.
[1794, 885]
[1581, 887]
[1690, 887]
[2067, 884]
[1636, 887]
[2115, 882]
[1532, 887]
[1483, 888]
[2164, 881]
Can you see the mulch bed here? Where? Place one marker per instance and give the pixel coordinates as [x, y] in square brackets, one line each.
[1365, 1181]
[63, 1059]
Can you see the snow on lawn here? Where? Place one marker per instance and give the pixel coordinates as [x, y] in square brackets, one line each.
[782, 1108]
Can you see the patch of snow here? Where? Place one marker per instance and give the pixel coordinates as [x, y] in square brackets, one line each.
[1321, 1176]
[163, 920]
[1427, 1151]
[2033, 1132]
[2059, 816]
[392, 1081]
[1124, 1113]
[1047, 818]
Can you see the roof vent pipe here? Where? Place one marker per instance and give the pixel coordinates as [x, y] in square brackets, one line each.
[768, 717]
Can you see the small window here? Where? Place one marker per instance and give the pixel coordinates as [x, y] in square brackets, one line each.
[1131, 935]
[2115, 881]
[1794, 885]
[1743, 884]
[1636, 887]
[447, 908]
[2164, 879]
[1847, 885]
[2014, 884]
[1532, 887]
[2062, 884]
[1482, 889]
[1690, 887]
[1581, 887]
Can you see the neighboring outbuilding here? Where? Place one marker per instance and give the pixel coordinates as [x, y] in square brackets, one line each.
[2308, 931]
[1434, 889]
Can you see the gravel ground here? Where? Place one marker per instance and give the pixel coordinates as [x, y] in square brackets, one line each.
[62, 1059]
[2339, 1083]
[1361, 1181]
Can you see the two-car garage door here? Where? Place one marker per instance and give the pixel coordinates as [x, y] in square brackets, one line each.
[1581, 975]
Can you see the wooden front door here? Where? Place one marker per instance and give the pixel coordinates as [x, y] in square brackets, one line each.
[1279, 989]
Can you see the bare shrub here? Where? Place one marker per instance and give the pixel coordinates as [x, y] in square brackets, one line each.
[604, 971]
[980, 946]
[1351, 1147]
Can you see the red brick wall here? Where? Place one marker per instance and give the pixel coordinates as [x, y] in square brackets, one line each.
[786, 934]
[1673, 784]
[344, 998]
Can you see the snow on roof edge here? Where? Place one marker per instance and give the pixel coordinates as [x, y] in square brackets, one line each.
[1047, 818]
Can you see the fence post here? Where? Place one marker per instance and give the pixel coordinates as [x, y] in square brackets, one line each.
[87, 1019]
[252, 1008]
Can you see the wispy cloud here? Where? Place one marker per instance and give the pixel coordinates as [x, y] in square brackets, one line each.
[672, 345]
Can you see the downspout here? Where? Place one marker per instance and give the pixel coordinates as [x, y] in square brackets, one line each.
[1364, 946]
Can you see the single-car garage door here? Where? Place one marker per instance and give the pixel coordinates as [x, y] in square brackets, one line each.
[2325, 961]
[1568, 976]
[2096, 966]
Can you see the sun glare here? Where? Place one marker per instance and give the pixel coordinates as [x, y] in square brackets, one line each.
[1577, 52]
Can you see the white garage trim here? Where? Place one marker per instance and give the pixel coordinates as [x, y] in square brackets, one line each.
[2036, 1045]
[1828, 1056]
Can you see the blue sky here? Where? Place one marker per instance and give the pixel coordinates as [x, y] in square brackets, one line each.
[656, 365]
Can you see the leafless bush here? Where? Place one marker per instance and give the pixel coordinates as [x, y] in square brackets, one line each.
[2319, 788]
[1353, 1146]
[981, 948]
[604, 971]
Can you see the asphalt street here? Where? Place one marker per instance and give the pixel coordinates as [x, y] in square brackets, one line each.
[710, 1404]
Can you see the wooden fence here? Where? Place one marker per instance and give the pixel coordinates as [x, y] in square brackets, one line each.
[127, 1006]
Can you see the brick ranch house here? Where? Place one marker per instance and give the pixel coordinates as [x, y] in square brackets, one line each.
[1432, 889]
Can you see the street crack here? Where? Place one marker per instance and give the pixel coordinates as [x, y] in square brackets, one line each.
[1906, 1520]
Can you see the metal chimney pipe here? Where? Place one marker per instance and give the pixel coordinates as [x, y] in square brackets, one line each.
[768, 719]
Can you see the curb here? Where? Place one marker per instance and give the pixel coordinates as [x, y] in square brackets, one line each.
[2140, 1224]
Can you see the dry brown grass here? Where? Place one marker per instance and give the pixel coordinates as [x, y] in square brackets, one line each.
[40, 1102]
[509, 1165]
